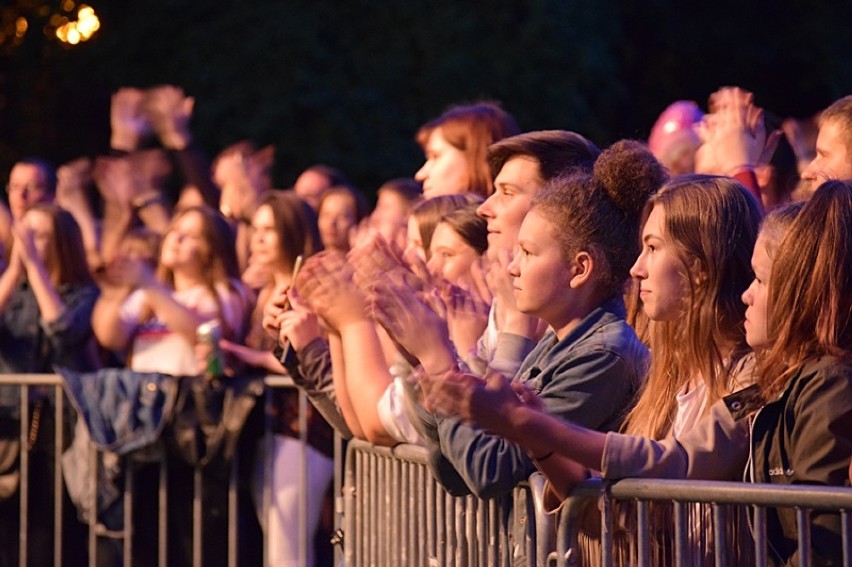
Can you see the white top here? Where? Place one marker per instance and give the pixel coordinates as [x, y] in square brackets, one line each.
[690, 406]
[156, 348]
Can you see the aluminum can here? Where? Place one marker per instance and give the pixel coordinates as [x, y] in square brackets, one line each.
[208, 335]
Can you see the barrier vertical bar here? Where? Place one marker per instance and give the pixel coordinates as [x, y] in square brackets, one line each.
[803, 525]
[348, 522]
[440, 525]
[414, 496]
[680, 527]
[606, 529]
[162, 515]
[339, 502]
[92, 457]
[233, 527]
[373, 511]
[494, 540]
[719, 533]
[129, 480]
[759, 534]
[58, 442]
[482, 531]
[643, 533]
[196, 516]
[394, 509]
[303, 479]
[24, 487]
[469, 546]
[268, 452]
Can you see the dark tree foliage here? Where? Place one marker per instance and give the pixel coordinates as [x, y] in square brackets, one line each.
[348, 83]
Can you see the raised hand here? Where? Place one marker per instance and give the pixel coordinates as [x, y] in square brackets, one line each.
[170, 111]
[467, 315]
[734, 134]
[128, 122]
[128, 273]
[411, 323]
[24, 247]
[325, 285]
[371, 258]
[115, 181]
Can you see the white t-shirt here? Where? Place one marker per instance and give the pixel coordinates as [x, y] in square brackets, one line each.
[690, 406]
[156, 348]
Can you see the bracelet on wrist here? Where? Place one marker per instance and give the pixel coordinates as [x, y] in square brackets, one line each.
[543, 457]
[140, 204]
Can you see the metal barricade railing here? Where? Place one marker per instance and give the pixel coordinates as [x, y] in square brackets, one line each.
[754, 499]
[53, 383]
[396, 513]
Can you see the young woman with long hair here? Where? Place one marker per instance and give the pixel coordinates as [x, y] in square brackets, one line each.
[46, 300]
[154, 316]
[284, 228]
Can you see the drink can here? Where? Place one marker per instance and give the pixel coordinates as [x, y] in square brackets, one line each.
[208, 335]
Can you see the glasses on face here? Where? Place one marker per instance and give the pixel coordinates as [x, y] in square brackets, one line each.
[26, 189]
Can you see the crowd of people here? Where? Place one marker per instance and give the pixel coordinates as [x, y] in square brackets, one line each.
[677, 307]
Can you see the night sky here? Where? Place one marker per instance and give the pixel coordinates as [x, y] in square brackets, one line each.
[348, 83]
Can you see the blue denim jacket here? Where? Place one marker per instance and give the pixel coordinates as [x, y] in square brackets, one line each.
[30, 345]
[124, 410]
[590, 378]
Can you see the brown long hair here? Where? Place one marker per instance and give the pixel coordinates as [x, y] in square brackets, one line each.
[810, 307]
[471, 129]
[218, 262]
[296, 225]
[712, 222]
[68, 255]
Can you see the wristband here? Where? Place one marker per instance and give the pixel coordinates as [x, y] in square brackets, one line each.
[140, 204]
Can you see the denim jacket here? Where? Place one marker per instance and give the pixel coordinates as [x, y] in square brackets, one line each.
[30, 345]
[589, 377]
[123, 410]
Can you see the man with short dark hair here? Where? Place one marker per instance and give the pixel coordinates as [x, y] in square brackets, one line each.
[32, 180]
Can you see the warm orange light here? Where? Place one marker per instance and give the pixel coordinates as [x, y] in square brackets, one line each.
[21, 26]
[86, 25]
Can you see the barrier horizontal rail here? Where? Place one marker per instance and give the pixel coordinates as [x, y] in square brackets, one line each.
[716, 494]
[54, 383]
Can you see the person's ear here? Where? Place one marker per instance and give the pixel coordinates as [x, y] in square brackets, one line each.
[697, 273]
[582, 269]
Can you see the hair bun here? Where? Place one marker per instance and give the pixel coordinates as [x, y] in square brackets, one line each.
[629, 174]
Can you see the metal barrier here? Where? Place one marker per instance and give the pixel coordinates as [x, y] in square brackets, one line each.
[395, 513]
[53, 383]
[680, 494]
